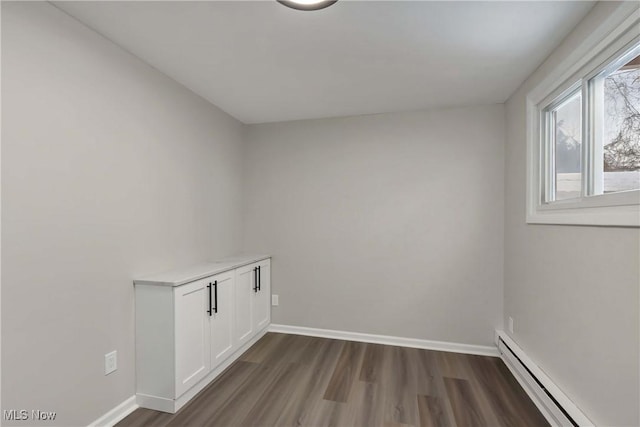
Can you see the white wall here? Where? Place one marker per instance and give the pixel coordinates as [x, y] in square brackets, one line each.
[386, 224]
[110, 170]
[572, 290]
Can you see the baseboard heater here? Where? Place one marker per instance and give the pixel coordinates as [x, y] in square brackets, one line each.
[550, 400]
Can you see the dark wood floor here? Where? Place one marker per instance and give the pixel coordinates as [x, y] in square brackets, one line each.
[292, 380]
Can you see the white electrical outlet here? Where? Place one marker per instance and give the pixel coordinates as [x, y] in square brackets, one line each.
[511, 324]
[110, 362]
[274, 300]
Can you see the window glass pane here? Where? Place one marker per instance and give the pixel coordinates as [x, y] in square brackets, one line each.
[567, 129]
[621, 136]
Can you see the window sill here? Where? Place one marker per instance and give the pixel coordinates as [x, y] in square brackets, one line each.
[611, 200]
[613, 216]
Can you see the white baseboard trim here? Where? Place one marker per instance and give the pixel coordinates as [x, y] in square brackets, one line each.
[116, 415]
[556, 406]
[156, 403]
[388, 340]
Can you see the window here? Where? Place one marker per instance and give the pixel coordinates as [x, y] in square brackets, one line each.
[618, 142]
[584, 137]
[564, 139]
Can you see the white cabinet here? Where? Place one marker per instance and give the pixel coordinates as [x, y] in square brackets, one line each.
[221, 316]
[192, 350]
[261, 300]
[245, 282]
[192, 324]
[253, 299]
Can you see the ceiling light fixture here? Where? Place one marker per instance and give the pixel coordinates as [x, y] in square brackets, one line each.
[307, 4]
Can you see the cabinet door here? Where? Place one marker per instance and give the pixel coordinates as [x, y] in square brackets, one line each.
[221, 317]
[262, 298]
[244, 290]
[192, 351]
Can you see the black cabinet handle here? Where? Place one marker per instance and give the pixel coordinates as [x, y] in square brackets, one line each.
[215, 287]
[259, 278]
[255, 279]
[209, 287]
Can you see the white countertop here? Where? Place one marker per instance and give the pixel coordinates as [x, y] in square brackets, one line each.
[200, 271]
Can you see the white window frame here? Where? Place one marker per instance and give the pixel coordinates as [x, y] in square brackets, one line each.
[593, 57]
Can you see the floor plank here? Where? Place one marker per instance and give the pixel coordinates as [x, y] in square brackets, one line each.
[346, 370]
[372, 363]
[366, 406]
[465, 405]
[428, 376]
[400, 388]
[311, 383]
[431, 412]
[267, 408]
[241, 399]
[211, 400]
[266, 346]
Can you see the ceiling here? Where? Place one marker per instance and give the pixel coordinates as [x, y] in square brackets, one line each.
[262, 62]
